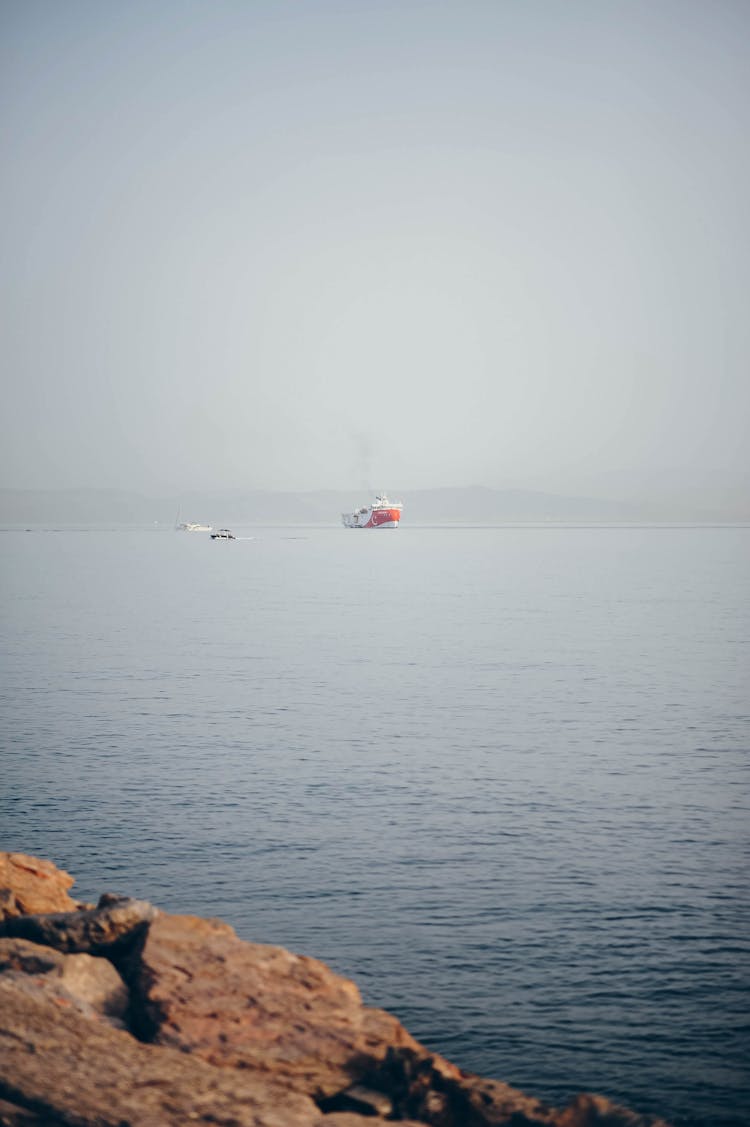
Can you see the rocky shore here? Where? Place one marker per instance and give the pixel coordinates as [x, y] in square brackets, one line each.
[119, 1014]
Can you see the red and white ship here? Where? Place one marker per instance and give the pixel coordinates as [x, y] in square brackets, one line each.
[382, 513]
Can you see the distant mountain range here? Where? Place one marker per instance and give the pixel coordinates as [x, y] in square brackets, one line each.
[472, 505]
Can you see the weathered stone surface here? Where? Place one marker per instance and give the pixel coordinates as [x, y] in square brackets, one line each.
[30, 886]
[247, 1005]
[475, 1102]
[55, 1062]
[596, 1111]
[90, 931]
[422, 1087]
[90, 982]
[28, 958]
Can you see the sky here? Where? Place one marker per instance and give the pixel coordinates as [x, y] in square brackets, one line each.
[355, 244]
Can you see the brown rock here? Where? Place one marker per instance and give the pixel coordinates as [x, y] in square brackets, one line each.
[476, 1102]
[472, 1101]
[251, 1006]
[55, 1062]
[27, 958]
[58, 1068]
[91, 983]
[596, 1111]
[28, 885]
[116, 922]
[428, 1089]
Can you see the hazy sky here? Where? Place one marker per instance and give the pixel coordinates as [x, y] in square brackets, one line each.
[403, 244]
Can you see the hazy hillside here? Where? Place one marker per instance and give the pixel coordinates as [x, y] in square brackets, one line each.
[428, 506]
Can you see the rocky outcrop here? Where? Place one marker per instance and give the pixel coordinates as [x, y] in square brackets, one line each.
[28, 885]
[110, 928]
[283, 1014]
[121, 1014]
[57, 1062]
[91, 985]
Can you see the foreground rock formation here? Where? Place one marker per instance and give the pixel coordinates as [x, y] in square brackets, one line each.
[120, 1015]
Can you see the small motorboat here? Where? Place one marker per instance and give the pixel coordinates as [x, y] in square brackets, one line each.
[223, 534]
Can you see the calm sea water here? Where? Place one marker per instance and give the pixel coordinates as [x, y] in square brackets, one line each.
[498, 775]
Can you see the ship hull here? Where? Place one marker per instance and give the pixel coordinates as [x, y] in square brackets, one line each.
[372, 518]
[383, 518]
[382, 514]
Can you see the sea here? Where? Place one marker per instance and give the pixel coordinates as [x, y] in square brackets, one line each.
[497, 775]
